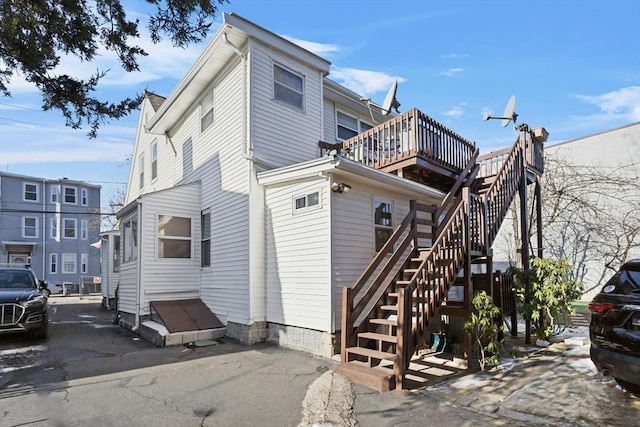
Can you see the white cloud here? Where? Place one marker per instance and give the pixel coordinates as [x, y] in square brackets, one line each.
[456, 111]
[363, 82]
[623, 103]
[456, 55]
[90, 152]
[319, 49]
[451, 72]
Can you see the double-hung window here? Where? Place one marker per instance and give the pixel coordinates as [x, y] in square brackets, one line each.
[84, 263]
[383, 222]
[54, 193]
[141, 170]
[68, 263]
[84, 229]
[53, 263]
[29, 226]
[206, 111]
[30, 192]
[54, 227]
[70, 195]
[84, 197]
[205, 239]
[69, 230]
[154, 160]
[174, 237]
[349, 126]
[288, 87]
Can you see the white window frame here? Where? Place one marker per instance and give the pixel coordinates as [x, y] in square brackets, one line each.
[141, 170]
[55, 193]
[361, 126]
[206, 111]
[53, 227]
[387, 228]
[129, 233]
[84, 197]
[33, 227]
[53, 263]
[35, 192]
[84, 263]
[84, 229]
[64, 228]
[163, 237]
[69, 259]
[284, 87]
[117, 258]
[75, 195]
[154, 160]
[305, 202]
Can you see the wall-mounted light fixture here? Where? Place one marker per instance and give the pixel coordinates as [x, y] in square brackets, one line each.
[340, 187]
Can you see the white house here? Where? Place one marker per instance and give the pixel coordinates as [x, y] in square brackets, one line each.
[260, 190]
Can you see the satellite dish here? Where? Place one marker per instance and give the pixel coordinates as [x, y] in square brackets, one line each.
[390, 101]
[508, 115]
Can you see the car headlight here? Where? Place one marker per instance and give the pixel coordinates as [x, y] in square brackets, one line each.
[35, 301]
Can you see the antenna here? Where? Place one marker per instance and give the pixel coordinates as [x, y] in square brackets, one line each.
[390, 101]
[508, 115]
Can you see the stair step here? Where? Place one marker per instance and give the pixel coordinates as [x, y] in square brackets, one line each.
[389, 307]
[378, 337]
[388, 322]
[379, 379]
[371, 354]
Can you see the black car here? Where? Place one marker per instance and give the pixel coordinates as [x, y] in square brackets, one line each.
[615, 327]
[23, 302]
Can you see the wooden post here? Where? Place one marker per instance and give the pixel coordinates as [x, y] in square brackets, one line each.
[524, 227]
[398, 367]
[346, 339]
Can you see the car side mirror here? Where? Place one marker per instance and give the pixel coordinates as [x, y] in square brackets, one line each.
[43, 284]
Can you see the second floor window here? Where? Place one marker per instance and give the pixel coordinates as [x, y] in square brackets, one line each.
[141, 170]
[69, 228]
[84, 229]
[349, 126]
[206, 111]
[54, 227]
[288, 87]
[154, 160]
[29, 226]
[84, 197]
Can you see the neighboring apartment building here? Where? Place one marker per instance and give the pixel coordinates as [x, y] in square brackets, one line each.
[50, 224]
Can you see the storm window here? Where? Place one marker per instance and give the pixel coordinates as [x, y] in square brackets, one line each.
[288, 87]
[29, 226]
[69, 231]
[30, 192]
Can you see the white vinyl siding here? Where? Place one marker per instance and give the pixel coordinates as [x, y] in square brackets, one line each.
[283, 135]
[298, 258]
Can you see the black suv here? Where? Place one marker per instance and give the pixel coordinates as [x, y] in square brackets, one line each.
[615, 327]
[23, 302]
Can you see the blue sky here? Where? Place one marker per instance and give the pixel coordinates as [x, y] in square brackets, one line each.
[574, 67]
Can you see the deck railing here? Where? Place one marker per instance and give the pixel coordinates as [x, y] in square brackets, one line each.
[411, 134]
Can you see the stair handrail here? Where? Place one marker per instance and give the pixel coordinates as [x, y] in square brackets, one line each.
[356, 299]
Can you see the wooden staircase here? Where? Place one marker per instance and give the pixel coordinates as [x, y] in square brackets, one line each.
[385, 314]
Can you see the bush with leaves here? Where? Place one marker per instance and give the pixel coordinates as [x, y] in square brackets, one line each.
[485, 327]
[550, 293]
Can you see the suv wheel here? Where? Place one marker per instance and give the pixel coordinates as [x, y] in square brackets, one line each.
[41, 333]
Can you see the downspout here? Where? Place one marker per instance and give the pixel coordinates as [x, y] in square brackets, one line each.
[139, 266]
